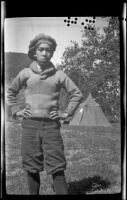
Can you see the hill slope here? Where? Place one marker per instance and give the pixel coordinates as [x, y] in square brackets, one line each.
[14, 63]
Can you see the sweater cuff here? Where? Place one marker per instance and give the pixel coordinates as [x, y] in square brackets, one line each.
[67, 111]
[14, 110]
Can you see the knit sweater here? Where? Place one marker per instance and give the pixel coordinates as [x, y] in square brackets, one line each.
[42, 90]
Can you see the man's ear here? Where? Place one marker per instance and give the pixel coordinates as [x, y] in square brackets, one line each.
[35, 56]
[52, 54]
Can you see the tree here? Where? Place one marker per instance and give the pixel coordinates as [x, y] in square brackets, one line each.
[95, 65]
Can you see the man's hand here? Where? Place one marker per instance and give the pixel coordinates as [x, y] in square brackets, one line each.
[26, 113]
[58, 115]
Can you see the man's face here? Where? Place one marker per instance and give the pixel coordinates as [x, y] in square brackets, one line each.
[43, 53]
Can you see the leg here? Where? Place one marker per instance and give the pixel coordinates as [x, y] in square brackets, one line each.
[59, 183]
[32, 154]
[33, 183]
[54, 158]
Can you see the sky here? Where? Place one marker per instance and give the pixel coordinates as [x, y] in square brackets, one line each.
[19, 31]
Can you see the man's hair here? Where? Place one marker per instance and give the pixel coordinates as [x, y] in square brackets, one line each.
[40, 38]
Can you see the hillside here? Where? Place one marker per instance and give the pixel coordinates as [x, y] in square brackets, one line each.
[15, 62]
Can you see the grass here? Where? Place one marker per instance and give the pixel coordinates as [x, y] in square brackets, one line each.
[93, 161]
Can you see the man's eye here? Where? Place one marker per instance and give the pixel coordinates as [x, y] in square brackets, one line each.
[40, 49]
[48, 50]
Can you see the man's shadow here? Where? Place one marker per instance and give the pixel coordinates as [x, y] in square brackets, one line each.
[87, 185]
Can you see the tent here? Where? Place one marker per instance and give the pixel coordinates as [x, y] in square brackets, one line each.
[89, 113]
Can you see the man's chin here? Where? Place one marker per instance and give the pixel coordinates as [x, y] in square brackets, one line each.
[43, 63]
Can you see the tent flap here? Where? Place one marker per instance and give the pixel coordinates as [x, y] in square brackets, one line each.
[89, 113]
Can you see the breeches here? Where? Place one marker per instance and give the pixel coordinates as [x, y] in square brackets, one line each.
[42, 146]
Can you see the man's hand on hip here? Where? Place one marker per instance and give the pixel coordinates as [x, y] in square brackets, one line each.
[26, 113]
[58, 115]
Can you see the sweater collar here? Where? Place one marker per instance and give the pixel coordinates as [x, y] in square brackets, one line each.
[50, 69]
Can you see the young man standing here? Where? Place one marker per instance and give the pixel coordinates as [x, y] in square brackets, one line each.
[42, 144]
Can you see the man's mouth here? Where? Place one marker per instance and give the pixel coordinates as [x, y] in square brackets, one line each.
[44, 58]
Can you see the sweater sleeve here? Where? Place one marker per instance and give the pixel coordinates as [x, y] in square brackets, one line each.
[74, 93]
[14, 89]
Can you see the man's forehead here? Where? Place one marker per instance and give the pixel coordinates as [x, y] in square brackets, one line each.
[44, 45]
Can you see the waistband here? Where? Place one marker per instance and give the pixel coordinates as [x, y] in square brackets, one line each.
[40, 122]
[43, 119]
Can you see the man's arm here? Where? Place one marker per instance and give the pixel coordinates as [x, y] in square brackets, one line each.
[13, 90]
[75, 97]
[74, 93]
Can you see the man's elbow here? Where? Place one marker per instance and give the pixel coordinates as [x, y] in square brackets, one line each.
[81, 96]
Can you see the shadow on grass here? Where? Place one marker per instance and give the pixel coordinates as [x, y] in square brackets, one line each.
[87, 185]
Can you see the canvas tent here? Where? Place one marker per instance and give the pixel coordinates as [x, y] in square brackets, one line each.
[89, 113]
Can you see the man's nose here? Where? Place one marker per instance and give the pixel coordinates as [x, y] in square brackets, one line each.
[44, 52]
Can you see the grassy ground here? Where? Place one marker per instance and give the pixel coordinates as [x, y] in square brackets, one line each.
[93, 157]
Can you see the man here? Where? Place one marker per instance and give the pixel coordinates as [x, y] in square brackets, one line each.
[42, 144]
